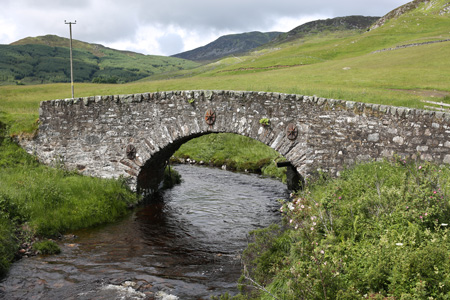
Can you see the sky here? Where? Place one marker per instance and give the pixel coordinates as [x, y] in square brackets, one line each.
[167, 27]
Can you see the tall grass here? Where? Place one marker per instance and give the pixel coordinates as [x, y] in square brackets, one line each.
[380, 231]
[51, 201]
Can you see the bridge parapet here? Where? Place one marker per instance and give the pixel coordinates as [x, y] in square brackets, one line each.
[134, 135]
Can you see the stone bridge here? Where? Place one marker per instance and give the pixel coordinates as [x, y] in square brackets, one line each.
[135, 135]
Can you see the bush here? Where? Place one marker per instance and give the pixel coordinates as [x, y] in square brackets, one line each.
[378, 232]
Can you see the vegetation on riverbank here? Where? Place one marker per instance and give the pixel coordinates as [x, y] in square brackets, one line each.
[37, 200]
[380, 231]
[235, 152]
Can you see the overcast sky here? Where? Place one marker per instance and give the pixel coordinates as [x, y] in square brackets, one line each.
[166, 27]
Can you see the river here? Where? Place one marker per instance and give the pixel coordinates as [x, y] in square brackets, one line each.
[184, 245]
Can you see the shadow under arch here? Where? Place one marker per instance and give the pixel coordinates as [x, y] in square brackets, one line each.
[151, 174]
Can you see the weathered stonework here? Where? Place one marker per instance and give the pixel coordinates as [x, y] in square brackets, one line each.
[91, 134]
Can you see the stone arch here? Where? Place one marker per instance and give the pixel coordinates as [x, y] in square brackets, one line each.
[95, 134]
[151, 172]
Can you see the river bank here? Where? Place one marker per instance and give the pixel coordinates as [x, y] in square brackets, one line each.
[379, 231]
[39, 201]
[186, 244]
[231, 152]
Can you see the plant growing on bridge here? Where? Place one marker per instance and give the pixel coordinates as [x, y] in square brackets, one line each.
[264, 121]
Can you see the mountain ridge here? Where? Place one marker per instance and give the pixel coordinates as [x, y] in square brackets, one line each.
[354, 23]
[230, 44]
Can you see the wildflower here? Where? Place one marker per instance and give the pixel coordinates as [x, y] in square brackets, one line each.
[290, 221]
[444, 224]
[314, 223]
[420, 167]
[434, 192]
[421, 217]
[426, 214]
[325, 263]
[296, 227]
[340, 197]
[399, 244]
[312, 228]
[322, 252]
[291, 206]
[302, 206]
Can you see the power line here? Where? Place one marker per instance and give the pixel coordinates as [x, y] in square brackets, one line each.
[71, 64]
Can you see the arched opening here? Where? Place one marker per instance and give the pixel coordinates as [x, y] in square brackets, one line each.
[227, 150]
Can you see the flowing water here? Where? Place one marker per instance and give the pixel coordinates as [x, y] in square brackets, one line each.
[184, 245]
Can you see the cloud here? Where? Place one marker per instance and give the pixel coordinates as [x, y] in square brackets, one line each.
[171, 43]
[169, 26]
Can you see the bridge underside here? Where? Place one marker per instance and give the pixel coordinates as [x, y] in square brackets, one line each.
[151, 173]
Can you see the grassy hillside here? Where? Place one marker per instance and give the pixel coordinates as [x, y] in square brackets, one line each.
[357, 24]
[45, 59]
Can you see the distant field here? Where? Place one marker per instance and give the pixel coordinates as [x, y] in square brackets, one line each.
[386, 78]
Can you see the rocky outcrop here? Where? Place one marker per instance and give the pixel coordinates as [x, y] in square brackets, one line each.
[398, 12]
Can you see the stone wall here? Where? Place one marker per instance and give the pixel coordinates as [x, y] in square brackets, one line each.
[134, 135]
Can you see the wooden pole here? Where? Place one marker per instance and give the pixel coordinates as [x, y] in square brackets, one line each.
[71, 61]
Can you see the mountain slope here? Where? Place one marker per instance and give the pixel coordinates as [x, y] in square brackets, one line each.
[442, 7]
[353, 23]
[228, 45]
[45, 59]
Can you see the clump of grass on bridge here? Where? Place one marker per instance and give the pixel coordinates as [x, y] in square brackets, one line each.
[380, 231]
[51, 201]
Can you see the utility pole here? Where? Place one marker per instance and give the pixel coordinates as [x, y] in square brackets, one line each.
[71, 63]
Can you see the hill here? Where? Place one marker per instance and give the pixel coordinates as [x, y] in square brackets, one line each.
[442, 8]
[45, 59]
[228, 45]
[352, 23]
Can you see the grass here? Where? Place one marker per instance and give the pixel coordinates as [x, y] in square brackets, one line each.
[377, 232]
[51, 201]
[237, 152]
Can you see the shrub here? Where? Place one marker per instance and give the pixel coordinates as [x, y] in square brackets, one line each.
[378, 232]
